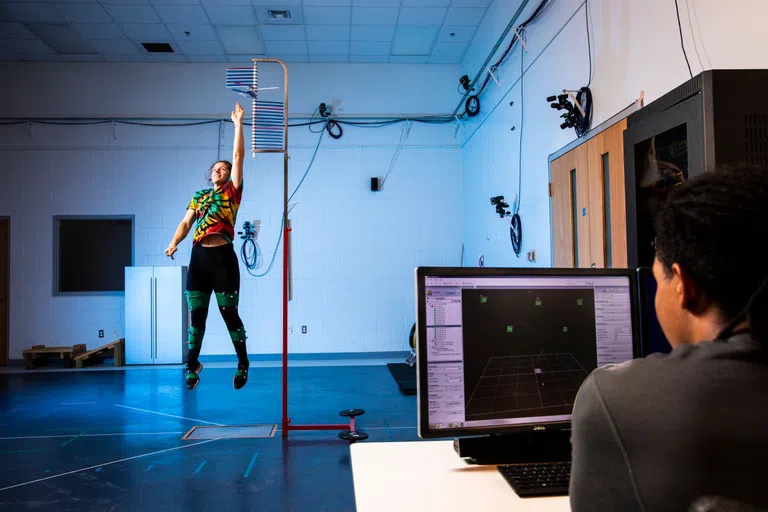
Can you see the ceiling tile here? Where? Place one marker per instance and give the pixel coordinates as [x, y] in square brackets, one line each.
[448, 53]
[83, 58]
[62, 38]
[134, 2]
[372, 33]
[465, 16]
[132, 13]
[196, 32]
[421, 16]
[326, 15]
[369, 48]
[409, 59]
[283, 32]
[294, 58]
[328, 47]
[286, 47]
[146, 31]
[245, 60]
[116, 47]
[84, 13]
[369, 58]
[13, 30]
[98, 30]
[222, 57]
[471, 3]
[201, 47]
[182, 2]
[77, 1]
[327, 32]
[32, 12]
[231, 15]
[274, 3]
[191, 14]
[125, 58]
[426, 3]
[327, 3]
[329, 58]
[414, 40]
[241, 39]
[27, 46]
[374, 15]
[229, 2]
[454, 34]
[376, 3]
[165, 57]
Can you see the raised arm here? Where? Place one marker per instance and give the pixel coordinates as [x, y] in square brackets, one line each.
[181, 232]
[238, 151]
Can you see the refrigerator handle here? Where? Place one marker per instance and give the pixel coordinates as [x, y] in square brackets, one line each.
[152, 317]
[155, 322]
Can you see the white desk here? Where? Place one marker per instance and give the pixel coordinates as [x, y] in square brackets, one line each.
[429, 475]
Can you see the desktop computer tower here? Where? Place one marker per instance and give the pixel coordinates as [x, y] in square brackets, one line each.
[715, 119]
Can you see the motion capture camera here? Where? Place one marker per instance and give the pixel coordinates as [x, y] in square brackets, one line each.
[325, 110]
[561, 102]
[250, 230]
[501, 206]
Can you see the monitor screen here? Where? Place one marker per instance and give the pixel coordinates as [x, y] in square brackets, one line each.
[512, 351]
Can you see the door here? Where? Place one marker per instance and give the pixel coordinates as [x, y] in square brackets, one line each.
[169, 313]
[139, 315]
[588, 203]
[4, 279]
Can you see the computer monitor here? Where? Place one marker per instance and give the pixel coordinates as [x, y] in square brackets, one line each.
[506, 350]
[651, 335]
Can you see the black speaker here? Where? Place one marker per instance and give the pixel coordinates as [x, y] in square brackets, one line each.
[376, 184]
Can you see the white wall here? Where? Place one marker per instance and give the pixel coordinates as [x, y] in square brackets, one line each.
[635, 46]
[354, 250]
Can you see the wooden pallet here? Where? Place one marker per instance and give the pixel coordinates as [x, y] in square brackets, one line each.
[117, 347]
[40, 353]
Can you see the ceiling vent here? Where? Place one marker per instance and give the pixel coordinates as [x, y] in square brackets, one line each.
[279, 15]
[157, 47]
[275, 15]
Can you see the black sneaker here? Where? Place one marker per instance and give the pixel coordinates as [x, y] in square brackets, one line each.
[241, 377]
[193, 378]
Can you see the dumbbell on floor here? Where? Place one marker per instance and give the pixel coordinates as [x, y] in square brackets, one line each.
[352, 434]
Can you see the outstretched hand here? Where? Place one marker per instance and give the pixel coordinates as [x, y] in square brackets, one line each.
[237, 114]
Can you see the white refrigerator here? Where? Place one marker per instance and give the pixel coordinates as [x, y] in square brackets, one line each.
[156, 316]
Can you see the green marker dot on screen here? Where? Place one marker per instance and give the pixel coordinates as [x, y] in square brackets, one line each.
[579, 302]
[565, 328]
[483, 299]
[510, 328]
[538, 301]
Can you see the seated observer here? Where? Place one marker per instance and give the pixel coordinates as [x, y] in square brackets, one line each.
[659, 433]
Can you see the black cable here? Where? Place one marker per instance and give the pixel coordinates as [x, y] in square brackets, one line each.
[682, 42]
[589, 41]
[520, 149]
[584, 122]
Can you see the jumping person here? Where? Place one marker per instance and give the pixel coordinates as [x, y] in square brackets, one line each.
[213, 266]
[669, 431]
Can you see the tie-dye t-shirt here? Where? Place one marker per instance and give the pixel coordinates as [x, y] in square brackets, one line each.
[216, 211]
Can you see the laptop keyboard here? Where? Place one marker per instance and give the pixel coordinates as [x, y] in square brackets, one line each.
[540, 479]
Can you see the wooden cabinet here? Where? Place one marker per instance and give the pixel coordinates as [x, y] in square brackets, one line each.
[588, 203]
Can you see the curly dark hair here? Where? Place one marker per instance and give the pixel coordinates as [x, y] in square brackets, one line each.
[210, 169]
[713, 227]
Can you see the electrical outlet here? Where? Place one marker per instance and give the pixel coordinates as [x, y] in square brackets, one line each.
[101, 333]
[114, 333]
[531, 256]
[303, 329]
[290, 330]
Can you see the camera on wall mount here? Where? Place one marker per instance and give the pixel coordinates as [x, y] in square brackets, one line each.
[578, 109]
[501, 206]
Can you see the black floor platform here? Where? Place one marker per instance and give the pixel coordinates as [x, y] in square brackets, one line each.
[112, 440]
[405, 376]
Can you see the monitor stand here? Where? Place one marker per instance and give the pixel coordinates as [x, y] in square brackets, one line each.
[518, 448]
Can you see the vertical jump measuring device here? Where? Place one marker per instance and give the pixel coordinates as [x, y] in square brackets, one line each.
[269, 134]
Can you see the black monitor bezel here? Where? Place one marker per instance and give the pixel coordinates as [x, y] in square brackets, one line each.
[424, 431]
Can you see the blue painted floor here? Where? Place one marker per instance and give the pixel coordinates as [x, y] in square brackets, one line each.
[95, 440]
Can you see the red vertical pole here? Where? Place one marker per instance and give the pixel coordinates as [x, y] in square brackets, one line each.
[286, 247]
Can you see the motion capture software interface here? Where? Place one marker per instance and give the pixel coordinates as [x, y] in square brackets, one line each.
[515, 350]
